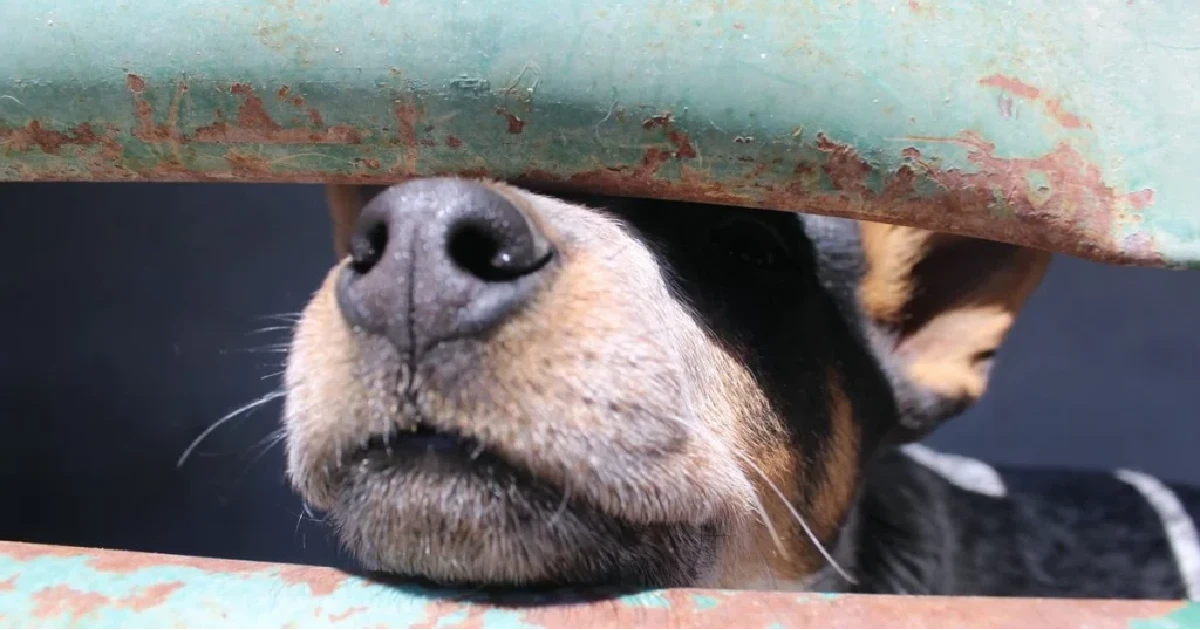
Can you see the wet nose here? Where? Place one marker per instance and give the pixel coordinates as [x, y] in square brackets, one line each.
[439, 259]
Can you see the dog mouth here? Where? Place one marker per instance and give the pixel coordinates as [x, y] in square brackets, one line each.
[424, 447]
[420, 439]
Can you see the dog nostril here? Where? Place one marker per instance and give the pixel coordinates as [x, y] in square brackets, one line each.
[367, 247]
[496, 251]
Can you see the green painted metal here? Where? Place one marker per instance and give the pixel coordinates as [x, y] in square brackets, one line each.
[1069, 125]
[55, 587]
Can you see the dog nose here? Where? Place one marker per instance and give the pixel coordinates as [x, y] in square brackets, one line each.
[439, 259]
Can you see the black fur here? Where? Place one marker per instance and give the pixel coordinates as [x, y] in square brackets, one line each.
[1056, 533]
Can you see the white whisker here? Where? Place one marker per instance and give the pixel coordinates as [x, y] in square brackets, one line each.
[267, 329]
[766, 520]
[273, 348]
[248, 407]
[799, 519]
[289, 318]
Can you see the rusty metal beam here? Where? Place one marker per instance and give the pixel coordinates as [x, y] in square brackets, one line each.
[54, 587]
[1068, 125]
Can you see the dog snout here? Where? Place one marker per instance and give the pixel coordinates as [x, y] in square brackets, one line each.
[440, 259]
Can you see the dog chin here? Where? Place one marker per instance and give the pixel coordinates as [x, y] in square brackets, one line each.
[455, 514]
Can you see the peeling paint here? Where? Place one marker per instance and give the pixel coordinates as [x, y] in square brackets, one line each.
[515, 124]
[1052, 107]
[1035, 131]
[54, 586]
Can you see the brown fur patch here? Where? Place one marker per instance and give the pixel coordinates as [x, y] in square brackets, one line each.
[345, 203]
[949, 301]
[891, 252]
[840, 462]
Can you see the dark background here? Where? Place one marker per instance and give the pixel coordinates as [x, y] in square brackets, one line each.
[133, 318]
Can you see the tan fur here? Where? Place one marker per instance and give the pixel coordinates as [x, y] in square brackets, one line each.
[950, 352]
[891, 252]
[840, 462]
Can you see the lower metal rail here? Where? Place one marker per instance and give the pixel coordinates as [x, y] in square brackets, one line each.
[52, 587]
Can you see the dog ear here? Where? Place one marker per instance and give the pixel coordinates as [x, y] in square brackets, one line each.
[938, 307]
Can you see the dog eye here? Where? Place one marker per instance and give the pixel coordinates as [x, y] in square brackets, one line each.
[748, 242]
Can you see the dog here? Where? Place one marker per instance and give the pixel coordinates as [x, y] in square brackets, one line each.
[502, 387]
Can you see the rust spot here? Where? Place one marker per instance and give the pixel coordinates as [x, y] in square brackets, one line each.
[349, 612]
[1015, 87]
[149, 597]
[148, 130]
[651, 161]
[370, 163]
[297, 102]
[1075, 211]
[56, 601]
[662, 120]
[320, 582]
[251, 114]
[383, 3]
[683, 145]
[244, 164]
[222, 133]
[252, 124]
[759, 170]
[51, 142]
[678, 139]
[515, 124]
[282, 93]
[453, 142]
[255, 125]
[1068, 120]
[843, 165]
[8, 585]
[1073, 215]
[407, 116]
[1141, 199]
[124, 562]
[136, 84]
[919, 8]
[737, 26]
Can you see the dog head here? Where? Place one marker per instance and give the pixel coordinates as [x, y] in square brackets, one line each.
[502, 387]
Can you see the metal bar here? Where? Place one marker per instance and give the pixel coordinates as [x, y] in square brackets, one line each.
[54, 587]
[1068, 125]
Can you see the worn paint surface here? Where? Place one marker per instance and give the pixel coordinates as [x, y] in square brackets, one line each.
[61, 587]
[1063, 124]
